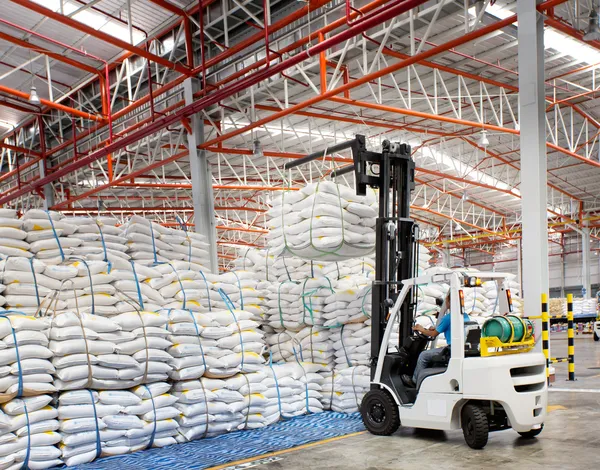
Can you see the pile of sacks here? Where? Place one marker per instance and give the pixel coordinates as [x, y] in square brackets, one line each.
[184, 285]
[101, 239]
[28, 436]
[25, 364]
[12, 237]
[294, 305]
[91, 351]
[33, 286]
[50, 237]
[149, 243]
[344, 389]
[310, 344]
[340, 224]
[105, 423]
[350, 302]
[293, 389]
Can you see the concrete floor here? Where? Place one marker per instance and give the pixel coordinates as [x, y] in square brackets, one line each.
[570, 438]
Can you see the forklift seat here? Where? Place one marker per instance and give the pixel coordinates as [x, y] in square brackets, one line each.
[428, 373]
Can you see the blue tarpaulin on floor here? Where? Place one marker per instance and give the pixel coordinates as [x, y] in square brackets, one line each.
[205, 453]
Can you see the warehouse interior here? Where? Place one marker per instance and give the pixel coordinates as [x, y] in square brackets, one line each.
[231, 232]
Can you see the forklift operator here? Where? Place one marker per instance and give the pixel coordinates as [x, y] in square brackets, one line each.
[426, 356]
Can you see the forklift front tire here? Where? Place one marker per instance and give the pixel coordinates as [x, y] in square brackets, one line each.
[475, 426]
[380, 413]
[596, 337]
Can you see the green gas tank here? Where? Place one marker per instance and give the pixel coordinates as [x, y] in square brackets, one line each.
[509, 328]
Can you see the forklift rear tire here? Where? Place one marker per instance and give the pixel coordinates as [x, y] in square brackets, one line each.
[380, 413]
[532, 433]
[475, 426]
[596, 337]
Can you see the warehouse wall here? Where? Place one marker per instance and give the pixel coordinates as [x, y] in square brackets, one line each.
[505, 261]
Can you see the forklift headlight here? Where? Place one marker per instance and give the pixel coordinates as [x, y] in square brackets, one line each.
[472, 281]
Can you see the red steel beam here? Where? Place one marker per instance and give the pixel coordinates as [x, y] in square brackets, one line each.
[51, 104]
[14, 148]
[71, 23]
[218, 96]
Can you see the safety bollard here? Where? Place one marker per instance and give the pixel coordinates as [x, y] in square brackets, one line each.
[570, 337]
[545, 335]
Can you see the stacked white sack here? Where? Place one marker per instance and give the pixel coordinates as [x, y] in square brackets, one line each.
[102, 239]
[350, 302]
[150, 243]
[184, 285]
[148, 348]
[185, 246]
[26, 289]
[232, 343]
[193, 401]
[340, 224]
[258, 261]
[28, 434]
[135, 286]
[294, 389]
[143, 241]
[85, 352]
[25, 367]
[158, 413]
[344, 390]
[242, 288]
[424, 258]
[185, 327]
[12, 237]
[50, 238]
[311, 344]
[293, 306]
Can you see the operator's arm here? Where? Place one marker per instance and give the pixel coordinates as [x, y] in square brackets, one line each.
[431, 332]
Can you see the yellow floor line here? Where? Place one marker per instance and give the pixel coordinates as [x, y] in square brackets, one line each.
[555, 407]
[285, 451]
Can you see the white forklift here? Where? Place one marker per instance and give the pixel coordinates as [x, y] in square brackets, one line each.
[490, 384]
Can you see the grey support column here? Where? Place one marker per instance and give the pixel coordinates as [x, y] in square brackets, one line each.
[586, 276]
[202, 190]
[533, 154]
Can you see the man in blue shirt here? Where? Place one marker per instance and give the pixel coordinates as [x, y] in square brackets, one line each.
[425, 358]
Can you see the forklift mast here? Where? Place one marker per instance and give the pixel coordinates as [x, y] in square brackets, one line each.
[392, 171]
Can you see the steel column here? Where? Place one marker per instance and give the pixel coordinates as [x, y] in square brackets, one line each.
[201, 176]
[533, 153]
[586, 280]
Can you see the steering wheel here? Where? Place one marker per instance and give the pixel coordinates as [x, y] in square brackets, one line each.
[420, 335]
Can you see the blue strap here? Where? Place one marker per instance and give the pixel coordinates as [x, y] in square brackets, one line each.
[28, 452]
[180, 285]
[137, 285]
[20, 369]
[231, 308]
[276, 383]
[87, 266]
[153, 435]
[344, 346]
[207, 291]
[37, 292]
[153, 242]
[62, 253]
[104, 247]
[199, 341]
[98, 442]
[184, 228]
[240, 289]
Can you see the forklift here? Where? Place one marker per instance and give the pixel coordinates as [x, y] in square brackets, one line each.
[467, 386]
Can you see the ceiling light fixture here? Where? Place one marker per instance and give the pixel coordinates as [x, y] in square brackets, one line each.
[593, 30]
[484, 140]
[33, 96]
